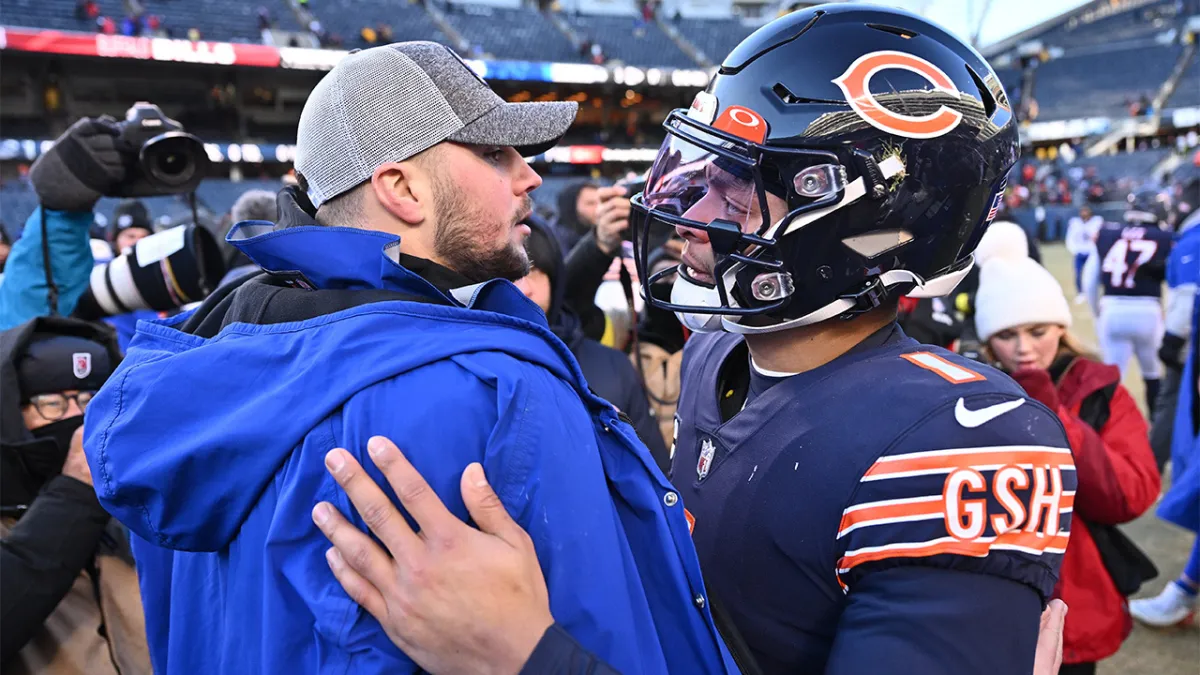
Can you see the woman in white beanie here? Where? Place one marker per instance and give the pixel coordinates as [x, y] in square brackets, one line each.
[1023, 318]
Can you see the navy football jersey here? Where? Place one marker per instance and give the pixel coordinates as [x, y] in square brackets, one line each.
[895, 455]
[1133, 259]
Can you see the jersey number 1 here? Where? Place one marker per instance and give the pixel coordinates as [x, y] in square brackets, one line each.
[1116, 262]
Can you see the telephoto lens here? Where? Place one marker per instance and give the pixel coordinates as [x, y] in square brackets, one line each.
[164, 271]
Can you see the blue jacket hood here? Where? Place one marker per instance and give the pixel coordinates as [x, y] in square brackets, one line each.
[250, 395]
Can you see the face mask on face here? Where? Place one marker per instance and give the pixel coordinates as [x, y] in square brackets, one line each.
[43, 462]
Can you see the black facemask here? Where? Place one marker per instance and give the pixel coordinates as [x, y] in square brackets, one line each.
[44, 462]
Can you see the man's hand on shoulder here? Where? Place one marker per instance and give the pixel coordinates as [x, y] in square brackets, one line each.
[455, 599]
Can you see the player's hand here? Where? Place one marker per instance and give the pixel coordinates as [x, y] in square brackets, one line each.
[1050, 639]
[76, 465]
[453, 598]
[612, 218]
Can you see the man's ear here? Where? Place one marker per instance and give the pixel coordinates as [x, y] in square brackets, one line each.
[400, 189]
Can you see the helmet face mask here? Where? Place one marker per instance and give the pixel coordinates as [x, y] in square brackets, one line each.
[838, 155]
[710, 183]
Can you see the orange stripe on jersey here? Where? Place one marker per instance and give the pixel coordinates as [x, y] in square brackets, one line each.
[891, 511]
[951, 372]
[903, 510]
[1019, 540]
[945, 461]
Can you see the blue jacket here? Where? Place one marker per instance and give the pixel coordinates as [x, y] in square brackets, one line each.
[1181, 503]
[23, 293]
[210, 449]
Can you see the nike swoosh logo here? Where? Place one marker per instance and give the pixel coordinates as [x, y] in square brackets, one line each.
[975, 418]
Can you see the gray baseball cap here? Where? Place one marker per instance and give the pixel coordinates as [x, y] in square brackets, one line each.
[389, 103]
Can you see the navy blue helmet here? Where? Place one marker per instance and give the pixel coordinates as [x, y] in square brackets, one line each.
[1148, 208]
[840, 154]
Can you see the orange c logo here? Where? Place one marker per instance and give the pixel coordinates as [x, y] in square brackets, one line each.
[855, 84]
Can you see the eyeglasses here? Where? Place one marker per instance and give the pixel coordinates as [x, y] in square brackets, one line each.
[54, 406]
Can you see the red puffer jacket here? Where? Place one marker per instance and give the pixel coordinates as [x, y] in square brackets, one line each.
[1118, 481]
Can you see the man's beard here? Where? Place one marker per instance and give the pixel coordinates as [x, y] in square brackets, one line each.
[457, 239]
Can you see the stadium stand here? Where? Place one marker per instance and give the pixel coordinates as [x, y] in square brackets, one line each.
[631, 40]
[1101, 83]
[1188, 91]
[714, 37]
[1137, 24]
[1125, 165]
[55, 14]
[220, 20]
[347, 18]
[522, 34]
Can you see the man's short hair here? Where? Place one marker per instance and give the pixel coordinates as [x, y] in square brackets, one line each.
[344, 210]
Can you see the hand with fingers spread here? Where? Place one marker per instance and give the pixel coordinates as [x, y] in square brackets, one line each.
[455, 599]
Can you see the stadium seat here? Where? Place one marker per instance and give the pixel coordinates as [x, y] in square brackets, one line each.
[347, 18]
[56, 14]
[521, 34]
[219, 20]
[1101, 84]
[1141, 23]
[715, 37]
[631, 40]
[1188, 91]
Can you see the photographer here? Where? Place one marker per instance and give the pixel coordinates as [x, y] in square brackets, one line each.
[82, 165]
[70, 599]
[52, 269]
[591, 257]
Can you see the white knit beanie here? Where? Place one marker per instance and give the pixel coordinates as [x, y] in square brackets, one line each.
[1003, 239]
[1015, 292]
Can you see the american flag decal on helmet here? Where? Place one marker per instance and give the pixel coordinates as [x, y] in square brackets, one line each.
[996, 201]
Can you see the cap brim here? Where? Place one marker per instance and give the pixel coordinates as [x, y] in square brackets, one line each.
[531, 128]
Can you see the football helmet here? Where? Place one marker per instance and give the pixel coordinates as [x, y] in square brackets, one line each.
[1148, 207]
[840, 154]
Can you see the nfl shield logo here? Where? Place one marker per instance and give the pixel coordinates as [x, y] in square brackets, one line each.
[81, 364]
[707, 450]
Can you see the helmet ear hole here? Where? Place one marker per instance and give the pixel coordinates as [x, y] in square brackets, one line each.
[985, 94]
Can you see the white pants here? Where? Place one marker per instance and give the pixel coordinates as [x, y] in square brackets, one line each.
[1131, 326]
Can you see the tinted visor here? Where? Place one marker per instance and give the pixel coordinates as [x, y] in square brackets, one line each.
[699, 178]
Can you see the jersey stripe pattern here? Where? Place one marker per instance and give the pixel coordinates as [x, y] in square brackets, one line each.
[999, 500]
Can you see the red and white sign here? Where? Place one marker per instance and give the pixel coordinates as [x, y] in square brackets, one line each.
[152, 49]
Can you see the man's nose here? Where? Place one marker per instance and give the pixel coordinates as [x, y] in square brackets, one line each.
[697, 213]
[73, 409]
[527, 179]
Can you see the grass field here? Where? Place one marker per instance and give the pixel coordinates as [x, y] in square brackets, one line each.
[1148, 651]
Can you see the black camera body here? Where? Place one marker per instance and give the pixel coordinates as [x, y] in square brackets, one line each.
[160, 157]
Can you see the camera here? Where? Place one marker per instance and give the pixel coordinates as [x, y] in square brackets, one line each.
[164, 271]
[160, 157]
